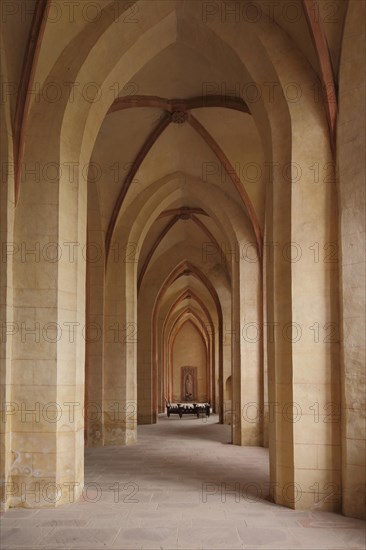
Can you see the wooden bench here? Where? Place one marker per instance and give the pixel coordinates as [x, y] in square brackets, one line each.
[188, 408]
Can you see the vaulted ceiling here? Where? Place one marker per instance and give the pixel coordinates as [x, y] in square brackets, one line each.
[182, 113]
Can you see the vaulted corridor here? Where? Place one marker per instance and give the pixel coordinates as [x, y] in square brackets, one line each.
[183, 224]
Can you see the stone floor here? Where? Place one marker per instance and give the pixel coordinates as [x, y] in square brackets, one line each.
[182, 486]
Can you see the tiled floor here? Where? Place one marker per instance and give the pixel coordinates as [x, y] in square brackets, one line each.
[182, 486]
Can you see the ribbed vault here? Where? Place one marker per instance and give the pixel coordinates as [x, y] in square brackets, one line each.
[180, 151]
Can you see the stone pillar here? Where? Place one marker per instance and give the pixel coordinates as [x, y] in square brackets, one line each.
[302, 306]
[94, 345]
[6, 300]
[351, 189]
[247, 375]
[120, 360]
[48, 363]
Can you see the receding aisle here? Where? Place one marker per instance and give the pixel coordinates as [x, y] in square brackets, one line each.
[183, 485]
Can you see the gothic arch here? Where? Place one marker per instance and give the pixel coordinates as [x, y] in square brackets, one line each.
[61, 204]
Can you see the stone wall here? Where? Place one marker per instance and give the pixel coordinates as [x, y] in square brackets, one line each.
[351, 189]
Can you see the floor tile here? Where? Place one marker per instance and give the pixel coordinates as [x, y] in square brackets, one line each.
[182, 486]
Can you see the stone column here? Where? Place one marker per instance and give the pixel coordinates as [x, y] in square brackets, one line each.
[247, 372]
[351, 190]
[120, 360]
[48, 348]
[6, 299]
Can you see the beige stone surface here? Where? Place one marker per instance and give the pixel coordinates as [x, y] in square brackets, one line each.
[181, 486]
[351, 188]
[229, 241]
